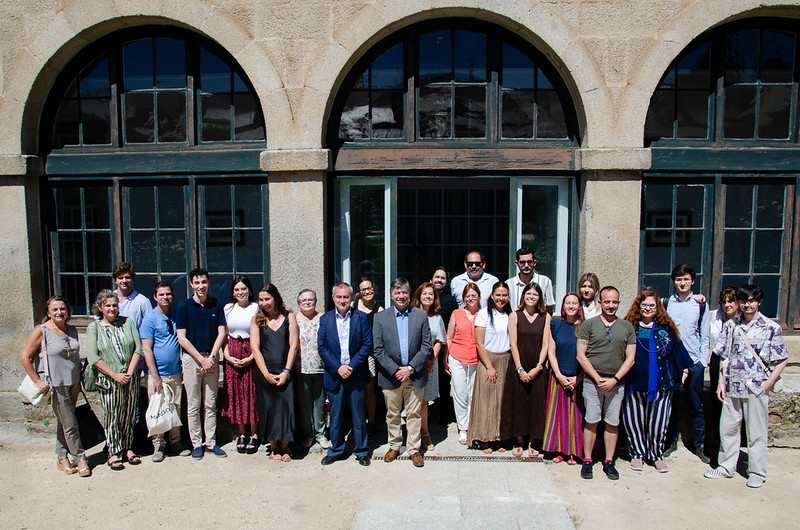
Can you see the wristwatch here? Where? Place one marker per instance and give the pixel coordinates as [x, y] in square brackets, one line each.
[410, 369]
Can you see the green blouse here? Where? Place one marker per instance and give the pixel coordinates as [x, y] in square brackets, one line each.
[99, 346]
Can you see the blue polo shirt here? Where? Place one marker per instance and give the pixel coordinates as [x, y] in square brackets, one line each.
[200, 321]
[162, 331]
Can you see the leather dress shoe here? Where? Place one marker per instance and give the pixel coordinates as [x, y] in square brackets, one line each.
[417, 460]
[363, 460]
[328, 460]
[391, 455]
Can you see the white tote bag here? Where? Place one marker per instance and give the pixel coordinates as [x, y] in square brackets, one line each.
[162, 415]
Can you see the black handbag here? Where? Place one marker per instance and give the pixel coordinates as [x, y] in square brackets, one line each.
[89, 427]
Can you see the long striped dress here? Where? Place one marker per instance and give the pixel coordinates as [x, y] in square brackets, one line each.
[563, 431]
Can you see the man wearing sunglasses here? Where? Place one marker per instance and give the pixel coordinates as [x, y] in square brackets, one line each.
[526, 263]
[474, 263]
[162, 357]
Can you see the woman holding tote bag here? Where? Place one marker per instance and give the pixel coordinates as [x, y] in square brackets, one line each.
[57, 346]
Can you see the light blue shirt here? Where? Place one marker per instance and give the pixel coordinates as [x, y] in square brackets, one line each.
[685, 314]
[402, 333]
[485, 284]
[135, 306]
[343, 329]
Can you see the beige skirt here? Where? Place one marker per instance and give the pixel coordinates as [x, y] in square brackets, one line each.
[487, 400]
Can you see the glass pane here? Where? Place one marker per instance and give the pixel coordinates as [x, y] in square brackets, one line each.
[143, 250]
[239, 86]
[170, 63]
[68, 208]
[457, 202]
[660, 115]
[540, 226]
[73, 288]
[216, 117]
[247, 118]
[542, 82]
[738, 206]
[94, 81]
[657, 251]
[142, 207]
[740, 111]
[693, 69]
[774, 111]
[138, 64]
[248, 205]
[171, 207]
[470, 56]
[470, 112]
[435, 56]
[692, 114]
[690, 206]
[98, 252]
[658, 205]
[70, 252]
[367, 236]
[387, 69]
[218, 206]
[145, 284]
[180, 287]
[249, 254]
[550, 120]
[96, 208]
[96, 121]
[354, 121]
[387, 114]
[689, 248]
[215, 75]
[769, 205]
[481, 232]
[220, 285]
[434, 112]
[518, 69]
[481, 202]
[736, 254]
[219, 251]
[139, 117]
[173, 251]
[777, 56]
[172, 116]
[517, 114]
[770, 285]
[741, 57]
[768, 251]
[661, 284]
[66, 127]
[72, 89]
[98, 283]
[455, 228]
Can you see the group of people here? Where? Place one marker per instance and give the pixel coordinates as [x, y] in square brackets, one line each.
[519, 379]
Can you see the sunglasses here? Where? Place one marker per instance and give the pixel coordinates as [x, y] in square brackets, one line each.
[474, 263]
[608, 333]
[170, 329]
[525, 262]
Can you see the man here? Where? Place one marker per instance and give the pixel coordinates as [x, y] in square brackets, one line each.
[474, 263]
[402, 347]
[750, 343]
[691, 317]
[526, 263]
[606, 351]
[201, 334]
[344, 342]
[163, 362]
[447, 301]
[132, 304]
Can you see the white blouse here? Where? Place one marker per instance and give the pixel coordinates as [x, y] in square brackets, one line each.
[496, 339]
[238, 319]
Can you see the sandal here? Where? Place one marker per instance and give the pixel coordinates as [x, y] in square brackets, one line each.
[501, 449]
[533, 453]
[558, 459]
[487, 450]
[428, 443]
[115, 463]
[286, 457]
[517, 451]
[252, 446]
[66, 466]
[133, 458]
[240, 444]
[462, 437]
[571, 462]
[83, 469]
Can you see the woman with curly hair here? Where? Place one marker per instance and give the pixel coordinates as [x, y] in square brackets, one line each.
[661, 363]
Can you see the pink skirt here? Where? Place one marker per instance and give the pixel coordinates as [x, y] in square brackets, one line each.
[239, 404]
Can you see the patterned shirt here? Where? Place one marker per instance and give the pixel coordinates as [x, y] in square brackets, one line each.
[744, 373]
[311, 363]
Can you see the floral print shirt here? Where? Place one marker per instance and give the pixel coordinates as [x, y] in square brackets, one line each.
[310, 361]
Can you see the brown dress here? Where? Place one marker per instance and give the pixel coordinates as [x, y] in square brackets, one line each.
[525, 404]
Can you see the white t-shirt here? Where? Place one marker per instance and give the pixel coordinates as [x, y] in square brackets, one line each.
[496, 339]
[238, 319]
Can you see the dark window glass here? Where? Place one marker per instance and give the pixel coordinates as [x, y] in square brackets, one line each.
[139, 117]
[247, 118]
[550, 119]
[740, 111]
[660, 115]
[215, 74]
[170, 63]
[248, 206]
[96, 208]
[518, 69]
[692, 114]
[68, 211]
[737, 252]
[769, 206]
[249, 255]
[777, 56]
[142, 207]
[171, 116]
[470, 112]
[216, 117]
[171, 206]
[434, 112]
[693, 69]
[67, 124]
[387, 115]
[96, 121]
[739, 206]
[387, 70]
[517, 114]
[354, 120]
[94, 80]
[138, 64]
[436, 57]
[774, 112]
[143, 247]
[741, 57]
[173, 251]
[692, 204]
[98, 252]
[688, 246]
[768, 251]
[70, 252]
[470, 56]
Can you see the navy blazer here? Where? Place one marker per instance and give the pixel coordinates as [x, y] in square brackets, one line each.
[330, 351]
[387, 346]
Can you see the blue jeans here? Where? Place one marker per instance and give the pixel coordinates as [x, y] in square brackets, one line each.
[693, 390]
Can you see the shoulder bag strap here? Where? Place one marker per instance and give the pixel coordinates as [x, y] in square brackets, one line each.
[751, 350]
[43, 352]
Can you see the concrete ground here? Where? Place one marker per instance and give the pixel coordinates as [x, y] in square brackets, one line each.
[463, 490]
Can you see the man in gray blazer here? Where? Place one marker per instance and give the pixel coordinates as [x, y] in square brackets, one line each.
[402, 346]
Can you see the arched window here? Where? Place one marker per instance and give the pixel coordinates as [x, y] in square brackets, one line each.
[151, 138]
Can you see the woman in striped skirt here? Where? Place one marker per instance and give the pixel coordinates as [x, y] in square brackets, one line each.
[114, 350]
[657, 373]
[563, 431]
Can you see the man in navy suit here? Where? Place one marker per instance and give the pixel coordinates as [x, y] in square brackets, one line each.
[402, 339]
[344, 343]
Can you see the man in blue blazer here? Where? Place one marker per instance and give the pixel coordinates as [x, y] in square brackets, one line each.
[344, 342]
[402, 339]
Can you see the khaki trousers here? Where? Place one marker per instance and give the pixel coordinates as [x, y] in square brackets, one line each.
[396, 398]
[755, 411]
[201, 392]
[175, 382]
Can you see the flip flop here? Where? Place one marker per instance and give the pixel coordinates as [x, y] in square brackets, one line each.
[571, 462]
[558, 459]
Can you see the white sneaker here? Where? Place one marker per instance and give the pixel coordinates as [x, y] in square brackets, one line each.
[717, 473]
[636, 464]
[462, 437]
[323, 442]
[755, 481]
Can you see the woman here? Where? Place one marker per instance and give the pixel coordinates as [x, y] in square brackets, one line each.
[366, 303]
[273, 339]
[311, 392]
[661, 361]
[426, 299]
[491, 339]
[563, 432]
[525, 394]
[114, 350]
[589, 288]
[461, 363]
[728, 308]
[240, 406]
[56, 345]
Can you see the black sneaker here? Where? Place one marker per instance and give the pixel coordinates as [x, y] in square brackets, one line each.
[586, 469]
[701, 454]
[610, 471]
[671, 449]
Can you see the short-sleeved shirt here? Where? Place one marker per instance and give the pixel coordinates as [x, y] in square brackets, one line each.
[496, 339]
[201, 322]
[135, 306]
[516, 286]
[485, 284]
[606, 355]
[166, 350]
[238, 319]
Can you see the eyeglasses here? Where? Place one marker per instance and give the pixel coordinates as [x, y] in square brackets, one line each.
[525, 262]
[366, 290]
[307, 300]
[170, 329]
[474, 263]
[750, 301]
[647, 306]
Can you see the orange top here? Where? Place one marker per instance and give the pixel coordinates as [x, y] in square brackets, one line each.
[463, 347]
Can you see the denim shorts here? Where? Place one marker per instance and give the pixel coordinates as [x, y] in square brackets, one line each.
[602, 405]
